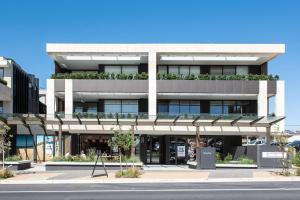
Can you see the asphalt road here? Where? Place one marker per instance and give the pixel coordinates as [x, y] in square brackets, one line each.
[182, 191]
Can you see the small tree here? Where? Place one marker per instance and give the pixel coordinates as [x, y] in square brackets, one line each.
[123, 141]
[285, 161]
[5, 142]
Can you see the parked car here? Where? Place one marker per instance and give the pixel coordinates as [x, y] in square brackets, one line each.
[295, 144]
[257, 142]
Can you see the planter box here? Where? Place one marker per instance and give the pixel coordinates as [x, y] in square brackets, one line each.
[193, 165]
[64, 166]
[18, 165]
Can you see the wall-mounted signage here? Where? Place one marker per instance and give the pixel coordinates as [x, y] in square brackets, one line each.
[180, 151]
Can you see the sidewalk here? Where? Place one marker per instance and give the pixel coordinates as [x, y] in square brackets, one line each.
[149, 175]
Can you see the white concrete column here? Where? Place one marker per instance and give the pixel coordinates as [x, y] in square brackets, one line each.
[262, 99]
[68, 98]
[152, 95]
[50, 98]
[280, 104]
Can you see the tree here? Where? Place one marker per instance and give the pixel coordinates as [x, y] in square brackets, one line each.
[5, 142]
[123, 141]
[285, 161]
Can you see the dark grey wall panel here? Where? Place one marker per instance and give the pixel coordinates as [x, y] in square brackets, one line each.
[59, 85]
[139, 86]
[208, 86]
[272, 87]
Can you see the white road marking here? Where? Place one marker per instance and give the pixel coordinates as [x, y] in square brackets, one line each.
[150, 190]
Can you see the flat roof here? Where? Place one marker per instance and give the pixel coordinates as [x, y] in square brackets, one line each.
[89, 54]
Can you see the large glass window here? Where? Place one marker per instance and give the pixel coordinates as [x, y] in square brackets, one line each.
[91, 107]
[130, 106]
[216, 70]
[1, 72]
[184, 107]
[229, 107]
[112, 106]
[195, 70]
[121, 106]
[78, 108]
[242, 70]
[163, 69]
[216, 107]
[184, 70]
[173, 69]
[130, 69]
[174, 107]
[113, 69]
[195, 107]
[228, 70]
[163, 107]
[24, 141]
[179, 107]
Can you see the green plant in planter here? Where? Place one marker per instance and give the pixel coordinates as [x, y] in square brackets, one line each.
[228, 158]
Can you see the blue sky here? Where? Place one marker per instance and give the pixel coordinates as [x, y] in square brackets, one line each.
[26, 26]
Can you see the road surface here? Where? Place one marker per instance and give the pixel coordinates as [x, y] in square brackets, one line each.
[182, 191]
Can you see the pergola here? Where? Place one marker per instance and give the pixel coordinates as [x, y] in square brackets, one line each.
[42, 120]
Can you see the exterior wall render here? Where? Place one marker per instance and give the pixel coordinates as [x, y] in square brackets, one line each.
[280, 104]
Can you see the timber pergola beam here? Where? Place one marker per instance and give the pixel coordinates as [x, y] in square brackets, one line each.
[275, 121]
[255, 121]
[176, 118]
[215, 120]
[236, 120]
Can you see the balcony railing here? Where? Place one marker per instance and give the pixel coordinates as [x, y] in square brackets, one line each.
[160, 76]
[101, 76]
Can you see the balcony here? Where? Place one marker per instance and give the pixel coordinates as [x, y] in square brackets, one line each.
[213, 86]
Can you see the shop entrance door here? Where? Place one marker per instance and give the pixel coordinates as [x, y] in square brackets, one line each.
[154, 144]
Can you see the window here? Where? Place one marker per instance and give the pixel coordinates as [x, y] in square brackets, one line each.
[1, 72]
[121, 106]
[91, 107]
[112, 106]
[229, 107]
[163, 69]
[78, 108]
[195, 107]
[216, 70]
[130, 106]
[24, 141]
[113, 69]
[184, 107]
[163, 107]
[130, 69]
[179, 107]
[1, 106]
[195, 70]
[173, 69]
[228, 70]
[184, 70]
[216, 107]
[242, 70]
[174, 107]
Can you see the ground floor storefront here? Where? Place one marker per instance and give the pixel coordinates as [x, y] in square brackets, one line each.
[150, 149]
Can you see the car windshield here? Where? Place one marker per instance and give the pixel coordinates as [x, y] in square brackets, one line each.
[294, 143]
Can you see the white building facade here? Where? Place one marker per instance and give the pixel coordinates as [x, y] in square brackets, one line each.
[165, 93]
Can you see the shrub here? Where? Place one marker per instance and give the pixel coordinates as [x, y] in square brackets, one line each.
[6, 173]
[218, 158]
[296, 159]
[228, 157]
[245, 160]
[13, 158]
[132, 172]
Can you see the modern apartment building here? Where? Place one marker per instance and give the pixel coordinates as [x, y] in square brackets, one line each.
[173, 96]
[19, 94]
